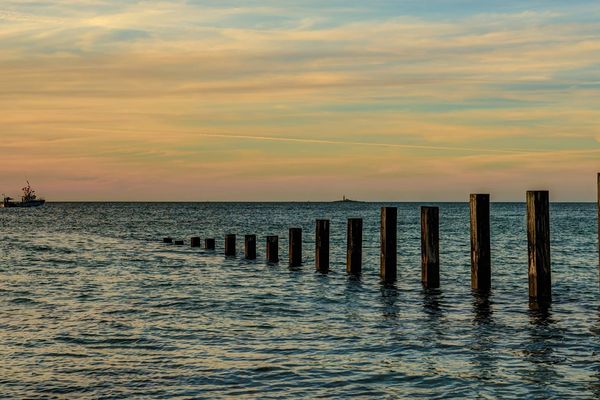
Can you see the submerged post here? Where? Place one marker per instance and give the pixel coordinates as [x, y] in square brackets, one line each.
[250, 247]
[322, 246]
[179, 243]
[481, 269]
[195, 241]
[387, 269]
[538, 235]
[273, 249]
[209, 244]
[230, 245]
[354, 246]
[168, 240]
[295, 247]
[430, 247]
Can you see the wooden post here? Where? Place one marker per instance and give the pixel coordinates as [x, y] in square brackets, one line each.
[389, 217]
[230, 245]
[250, 247]
[195, 241]
[322, 246]
[273, 249]
[538, 235]
[168, 240]
[481, 270]
[179, 243]
[209, 244]
[430, 247]
[295, 247]
[354, 246]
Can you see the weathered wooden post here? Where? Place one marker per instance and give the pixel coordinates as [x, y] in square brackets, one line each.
[430, 247]
[179, 243]
[230, 245]
[389, 218]
[538, 235]
[209, 244]
[168, 240]
[295, 247]
[322, 246]
[354, 246]
[195, 241]
[250, 247]
[273, 249]
[481, 266]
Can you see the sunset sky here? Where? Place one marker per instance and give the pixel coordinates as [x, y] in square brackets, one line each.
[299, 100]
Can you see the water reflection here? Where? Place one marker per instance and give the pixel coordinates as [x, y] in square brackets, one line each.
[482, 308]
[544, 337]
[389, 298]
[484, 344]
[594, 386]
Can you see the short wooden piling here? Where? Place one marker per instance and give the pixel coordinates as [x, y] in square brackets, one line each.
[179, 243]
[209, 244]
[273, 249]
[250, 247]
[354, 246]
[295, 247]
[538, 235]
[195, 241]
[230, 245]
[481, 270]
[322, 246]
[430, 247]
[389, 218]
[168, 240]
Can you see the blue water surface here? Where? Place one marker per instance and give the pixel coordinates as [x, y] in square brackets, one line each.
[93, 305]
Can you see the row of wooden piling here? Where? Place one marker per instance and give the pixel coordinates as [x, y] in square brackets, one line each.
[538, 235]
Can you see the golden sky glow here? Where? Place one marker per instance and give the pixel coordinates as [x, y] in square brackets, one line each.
[225, 100]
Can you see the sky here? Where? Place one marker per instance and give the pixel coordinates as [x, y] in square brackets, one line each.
[300, 100]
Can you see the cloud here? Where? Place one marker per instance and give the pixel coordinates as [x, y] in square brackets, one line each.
[178, 87]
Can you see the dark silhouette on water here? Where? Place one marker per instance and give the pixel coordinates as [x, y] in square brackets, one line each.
[29, 199]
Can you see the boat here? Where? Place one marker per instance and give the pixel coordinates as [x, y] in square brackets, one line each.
[29, 199]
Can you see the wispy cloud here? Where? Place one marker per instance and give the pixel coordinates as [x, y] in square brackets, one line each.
[133, 83]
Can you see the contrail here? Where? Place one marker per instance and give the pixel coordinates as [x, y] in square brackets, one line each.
[357, 143]
[371, 144]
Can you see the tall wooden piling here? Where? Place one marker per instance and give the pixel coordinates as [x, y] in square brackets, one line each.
[538, 235]
[273, 249]
[389, 218]
[481, 269]
[430, 247]
[354, 246]
[295, 247]
[230, 245]
[250, 247]
[322, 246]
[209, 244]
[195, 241]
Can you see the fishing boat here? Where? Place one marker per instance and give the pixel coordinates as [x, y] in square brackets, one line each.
[29, 199]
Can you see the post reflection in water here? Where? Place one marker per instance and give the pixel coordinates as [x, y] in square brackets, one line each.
[544, 337]
[483, 345]
[389, 298]
[594, 386]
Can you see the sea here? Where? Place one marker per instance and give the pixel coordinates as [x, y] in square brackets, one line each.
[94, 305]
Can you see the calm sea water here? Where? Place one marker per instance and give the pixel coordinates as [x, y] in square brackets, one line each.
[92, 305]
